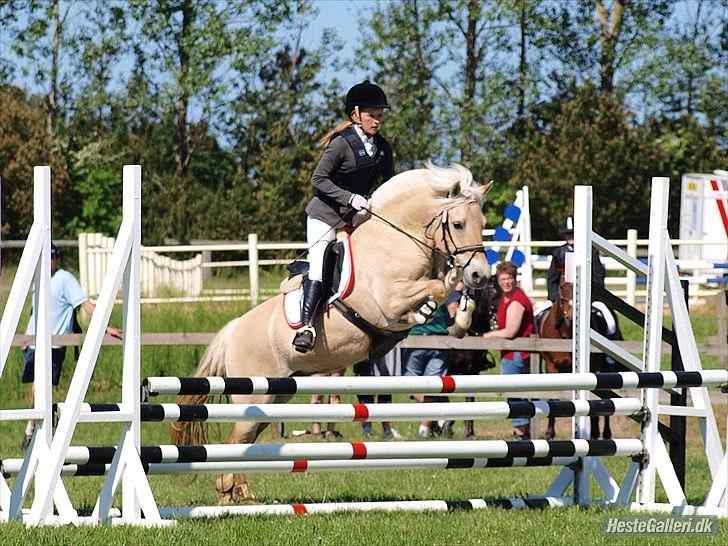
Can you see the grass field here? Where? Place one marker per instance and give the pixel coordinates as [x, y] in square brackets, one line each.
[492, 526]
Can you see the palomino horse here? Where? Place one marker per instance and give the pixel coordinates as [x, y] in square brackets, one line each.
[558, 324]
[423, 237]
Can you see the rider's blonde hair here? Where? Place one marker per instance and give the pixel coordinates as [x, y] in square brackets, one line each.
[326, 139]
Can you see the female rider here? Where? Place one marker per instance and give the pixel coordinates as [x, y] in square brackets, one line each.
[356, 157]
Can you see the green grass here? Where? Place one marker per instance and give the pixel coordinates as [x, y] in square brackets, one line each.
[492, 526]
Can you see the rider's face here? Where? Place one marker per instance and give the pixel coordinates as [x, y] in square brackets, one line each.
[370, 119]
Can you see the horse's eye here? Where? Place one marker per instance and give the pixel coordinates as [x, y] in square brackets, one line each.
[457, 225]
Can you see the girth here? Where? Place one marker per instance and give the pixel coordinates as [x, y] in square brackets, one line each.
[382, 340]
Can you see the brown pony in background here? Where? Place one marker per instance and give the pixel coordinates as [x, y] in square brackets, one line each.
[558, 324]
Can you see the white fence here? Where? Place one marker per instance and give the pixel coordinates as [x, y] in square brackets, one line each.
[158, 273]
[183, 279]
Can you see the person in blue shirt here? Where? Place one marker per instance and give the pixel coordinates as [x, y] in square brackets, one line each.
[66, 297]
[430, 362]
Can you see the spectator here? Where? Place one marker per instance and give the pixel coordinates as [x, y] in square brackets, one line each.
[333, 399]
[66, 297]
[558, 261]
[388, 365]
[515, 319]
[429, 362]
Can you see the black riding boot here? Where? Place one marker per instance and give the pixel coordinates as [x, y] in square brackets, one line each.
[305, 338]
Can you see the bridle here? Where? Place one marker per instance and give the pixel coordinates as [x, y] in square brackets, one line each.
[562, 300]
[452, 251]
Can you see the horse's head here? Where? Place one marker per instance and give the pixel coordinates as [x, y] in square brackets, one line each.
[440, 207]
[566, 301]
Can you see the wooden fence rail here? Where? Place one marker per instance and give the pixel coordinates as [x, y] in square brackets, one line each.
[532, 344]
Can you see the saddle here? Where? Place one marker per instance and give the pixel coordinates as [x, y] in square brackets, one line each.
[338, 283]
[602, 318]
[338, 278]
[540, 310]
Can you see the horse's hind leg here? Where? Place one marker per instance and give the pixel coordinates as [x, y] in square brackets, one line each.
[234, 488]
[469, 429]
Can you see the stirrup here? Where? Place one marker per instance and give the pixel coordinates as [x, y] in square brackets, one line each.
[304, 339]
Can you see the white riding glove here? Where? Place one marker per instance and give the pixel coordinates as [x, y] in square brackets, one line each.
[358, 202]
[463, 317]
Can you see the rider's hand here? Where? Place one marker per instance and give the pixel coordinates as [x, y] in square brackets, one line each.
[358, 202]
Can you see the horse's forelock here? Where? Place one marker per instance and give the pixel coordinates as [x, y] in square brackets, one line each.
[454, 183]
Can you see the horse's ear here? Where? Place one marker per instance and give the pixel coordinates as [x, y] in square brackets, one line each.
[484, 190]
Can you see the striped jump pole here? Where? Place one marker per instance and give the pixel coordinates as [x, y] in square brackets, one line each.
[363, 450]
[292, 413]
[386, 506]
[462, 384]
[11, 467]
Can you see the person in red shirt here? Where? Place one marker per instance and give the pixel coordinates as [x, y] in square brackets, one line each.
[515, 319]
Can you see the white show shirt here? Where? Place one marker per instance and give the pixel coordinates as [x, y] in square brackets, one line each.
[368, 141]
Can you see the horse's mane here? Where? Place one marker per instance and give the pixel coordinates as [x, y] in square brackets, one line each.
[450, 184]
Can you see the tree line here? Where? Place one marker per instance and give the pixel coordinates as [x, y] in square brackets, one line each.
[222, 105]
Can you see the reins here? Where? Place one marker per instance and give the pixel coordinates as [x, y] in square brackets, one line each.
[450, 256]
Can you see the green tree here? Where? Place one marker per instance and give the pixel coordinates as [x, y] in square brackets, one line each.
[25, 143]
[275, 127]
[685, 74]
[404, 62]
[185, 52]
[588, 140]
[446, 66]
[602, 41]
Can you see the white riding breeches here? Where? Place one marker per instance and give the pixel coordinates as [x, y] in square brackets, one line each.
[318, 235]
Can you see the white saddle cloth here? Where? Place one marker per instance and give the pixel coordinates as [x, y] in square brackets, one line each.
[292, 300]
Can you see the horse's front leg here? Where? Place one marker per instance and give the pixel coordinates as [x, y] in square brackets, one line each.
[551, 429]
[607, 430]
[410, 296]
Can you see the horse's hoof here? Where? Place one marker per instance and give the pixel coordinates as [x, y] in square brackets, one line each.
[242, 494]
[226, 499]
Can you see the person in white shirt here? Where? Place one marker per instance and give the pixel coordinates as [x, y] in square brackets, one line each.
[66, 297]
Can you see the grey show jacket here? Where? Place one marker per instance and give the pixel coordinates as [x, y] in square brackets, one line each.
[339, 175]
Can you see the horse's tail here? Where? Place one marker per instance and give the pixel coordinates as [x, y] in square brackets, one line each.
[212, 364]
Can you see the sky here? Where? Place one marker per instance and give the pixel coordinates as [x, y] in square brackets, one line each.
[345, 17]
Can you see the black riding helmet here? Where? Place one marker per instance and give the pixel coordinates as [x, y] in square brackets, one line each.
[365, 94]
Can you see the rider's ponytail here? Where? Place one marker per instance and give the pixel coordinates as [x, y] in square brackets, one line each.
[326, 140]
